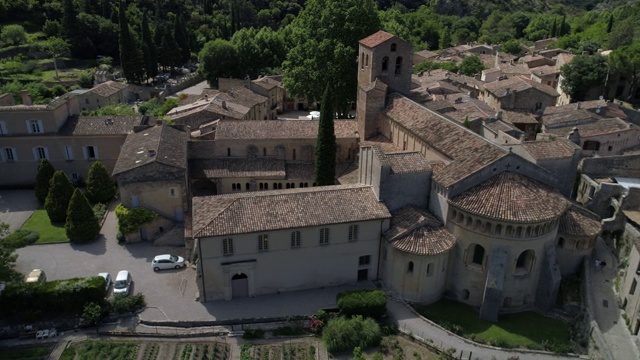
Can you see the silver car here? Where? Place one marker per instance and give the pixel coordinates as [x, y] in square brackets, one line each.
[107, 280]
[167, 261]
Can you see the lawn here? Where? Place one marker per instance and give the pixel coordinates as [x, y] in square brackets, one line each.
[91, 350]
[49, 232]
[524, 330]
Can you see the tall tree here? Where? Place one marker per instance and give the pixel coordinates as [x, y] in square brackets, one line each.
[326, 143]
[445, 39]
[130, 52]
[100, 186]
[218, 58]
[13, 35]
[81, 225]
[148, 49]
[182, 39]
[56, 47]
[625, 60]
[583, 73]
[471, 65]
[610, 23]
[325, 36]
[58, 198]
[43, 177]
[8, 258]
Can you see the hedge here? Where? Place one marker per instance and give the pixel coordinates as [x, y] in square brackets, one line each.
[368, 303]
[28, 302]
[20, 238]
[342, 334]
[131, 219]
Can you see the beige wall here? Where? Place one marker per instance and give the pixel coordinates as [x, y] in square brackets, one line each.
[304, 148]
[23, 170]
[282, 268]
[93, 101]
[612, 143]
[15, 121]
[156, 196]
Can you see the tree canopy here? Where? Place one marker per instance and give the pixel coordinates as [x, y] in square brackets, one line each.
[13, 35]
[43, 178]
[325, 36]
[583, 73]
[218, 58]
[100, 185]
[81, 224]
[57, 200]
[626, 61]
[471, 66]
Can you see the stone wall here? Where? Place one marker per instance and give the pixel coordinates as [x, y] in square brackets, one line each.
[623, 165]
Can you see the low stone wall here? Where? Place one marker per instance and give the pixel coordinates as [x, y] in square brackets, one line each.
[601, 348]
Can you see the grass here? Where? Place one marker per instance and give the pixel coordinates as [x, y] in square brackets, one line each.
[28, 353]
[49, 233]
[523, 330]
[92, 350]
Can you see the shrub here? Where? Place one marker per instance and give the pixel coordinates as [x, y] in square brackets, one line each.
[82, 225]
[368, 303]
[131, 219]
[342, 334]
[125, 304]
[100, 185]
[57, 202]
[253, 334]
[99, 210]
[43, 177]
[20, 238]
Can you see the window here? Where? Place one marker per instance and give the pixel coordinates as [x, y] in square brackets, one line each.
[3, 128]
[294, 154]
[324, 236]
[9, 154]
[364, 260]
[75, 176]
[236, 187]
[228, 151]
[247, 186]
[172, 192]
[398, 65]
[410, 267]
[478, 254]
[68, 153]
[40, 153]
[610, 148]
[524, 263]
[34, 126]
[90, 152]
[295, 239]
[561, 242]
[366, 60]
[263, 242]
[393, 47]
[591, 145]
[362, 60]
[385, 64]
[353, 233]
[429, 269]
[538, 106]
[634, 284]
[227, 246]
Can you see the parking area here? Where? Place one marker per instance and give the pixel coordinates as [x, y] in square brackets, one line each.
[16, 206]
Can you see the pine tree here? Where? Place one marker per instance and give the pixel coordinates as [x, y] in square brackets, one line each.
[43, 177]
[148, 49]
[58, 198]
[100, 186]
[130, 52]
[326, 144]
[81, 225]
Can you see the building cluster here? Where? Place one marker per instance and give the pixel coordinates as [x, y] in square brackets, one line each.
[447, 185]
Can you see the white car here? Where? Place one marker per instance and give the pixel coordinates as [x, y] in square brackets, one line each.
[122, 285]
[107, 280]
[167, 261]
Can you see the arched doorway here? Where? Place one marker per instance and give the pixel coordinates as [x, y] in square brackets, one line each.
[240, 285]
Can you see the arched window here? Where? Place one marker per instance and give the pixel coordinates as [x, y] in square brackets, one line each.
[454, 214]
[228, 151]
[498, 229]
[429, 269]
[487, 228]
[525, 261]
[410, 267]
[247, 186]
[366, 60]
[264, 151]
[288, 186]
[478, 254]
[528, 232]
[465, 294]
[385, 64]
[519, 231]
[362, 60]
[294, 154]
[393, 47]
[398, 65]
[469, 221]
[460, 218]
[478, 225]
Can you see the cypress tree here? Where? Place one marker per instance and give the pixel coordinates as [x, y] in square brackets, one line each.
[100, 186]
[554, 29]
[610, 24]
[43, 177]
[148, 49]
[130, 53]
[445, 39]
[326, 144]
[561, 31]
[82, 225]
[182, 39]
[58, 198]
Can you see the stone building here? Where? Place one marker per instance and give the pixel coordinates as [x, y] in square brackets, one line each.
[519, 93]
[106, 93]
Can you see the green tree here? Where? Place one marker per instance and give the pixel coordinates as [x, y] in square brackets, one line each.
[8, 258]
[583, 73]
[182, 39]
[625, 60]
[471, 65]
[82, 225]
[130, 52]
[512, 47]
[148, 49]
[56, 47]
[43, 177]
[100, 185]
[92, 313]
[326, 143]
[445, 39]
[57, 202]
[610, 23]
[325, 36]
[218, 58]
[13, 35]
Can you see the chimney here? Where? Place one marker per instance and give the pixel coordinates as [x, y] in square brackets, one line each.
[26, 99]
[152, 153]
[578, 105]
[574, 136]
[224, 104]
[499, 115]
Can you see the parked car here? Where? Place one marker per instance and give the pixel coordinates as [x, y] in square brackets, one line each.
[122, 285]
[36, 275]
[107, 280]
[167, 261]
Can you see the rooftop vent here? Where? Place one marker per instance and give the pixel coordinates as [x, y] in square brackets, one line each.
[152, 153]
[108, 121]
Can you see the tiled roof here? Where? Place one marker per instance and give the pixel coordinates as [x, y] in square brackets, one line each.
[100, 125]
[376, 39]
[599, 127]
[518, 117]
[407, 162]
[599, 107]
[416, 231]
[499, 125]
[54, 104]
[545, 70]
[550, 149]
[210, 107]
[578, 221]
[301, 171]
[376, 84]
[468, 152]
[237, 168]
[277, 129]
[512, 197]
[108, 88]
[386, 145]
[502, 88]
[161, 144]
[242, 96]
[426, 54]
[568, 118]
[284, 209]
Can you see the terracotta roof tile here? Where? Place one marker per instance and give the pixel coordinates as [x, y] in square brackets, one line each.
[284, 209]
[550, 149]
[467, 151]
[237, 168]
[407, 162]
[599, 127]
[100, 125]
[386, 145]
[416, 231]
[278, 129]
[578, 221]
[376, 39]
[512, 197]
[162, 144]
[568, 118]
[502, 88]
[108, 88]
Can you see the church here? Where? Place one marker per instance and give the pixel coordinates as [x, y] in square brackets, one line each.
[423, 205]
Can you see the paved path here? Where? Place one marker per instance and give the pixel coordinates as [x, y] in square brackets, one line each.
[409, 322]
[195, 89]
[16, 206]
[605, 305]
